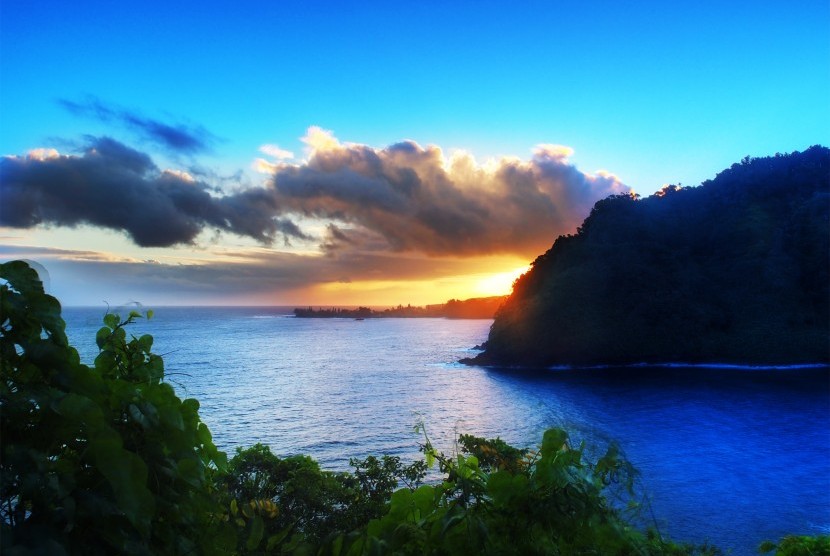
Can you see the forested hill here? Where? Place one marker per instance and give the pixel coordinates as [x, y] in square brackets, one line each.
[475, 308]
[732, 271]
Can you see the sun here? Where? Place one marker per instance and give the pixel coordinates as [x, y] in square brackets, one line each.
[500, 283]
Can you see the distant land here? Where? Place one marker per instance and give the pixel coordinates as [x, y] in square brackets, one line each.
[732, 271]
[475, 308]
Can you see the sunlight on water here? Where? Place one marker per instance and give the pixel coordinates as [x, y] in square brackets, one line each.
[732, 456]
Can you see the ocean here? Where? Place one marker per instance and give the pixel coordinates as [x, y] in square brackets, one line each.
[732, 456]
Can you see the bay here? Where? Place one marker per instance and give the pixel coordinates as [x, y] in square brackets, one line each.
[726, 455]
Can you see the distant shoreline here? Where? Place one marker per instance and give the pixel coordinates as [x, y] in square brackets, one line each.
[475, 308]
[676, 365]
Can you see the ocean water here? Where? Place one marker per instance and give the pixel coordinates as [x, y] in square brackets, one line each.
[730, 456]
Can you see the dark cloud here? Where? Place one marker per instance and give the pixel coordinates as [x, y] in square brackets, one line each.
[416, 199]
[403, 198]
[113, 186]
[338, 238]
[179, 138]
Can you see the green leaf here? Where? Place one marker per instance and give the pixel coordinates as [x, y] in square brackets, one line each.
[424, 498]
[430, 457]
[102, 336]
[374, 528]
[126, 474]
[138, 416]
[276, 540]
[79, 408]
[190, 471]
[145, 343]
[257, 530]
[337, 546]
[22, 278]
[400, 504]
[356, 549]
[203, 434]
[552, 442]
[170, 416]
[120, 335]
[499, 485]
[451, 520]
[190, 405]
[220, 460]
[112, 320]
[223, 542]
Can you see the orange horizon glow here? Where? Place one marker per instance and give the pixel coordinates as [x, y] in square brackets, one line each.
[390, 293]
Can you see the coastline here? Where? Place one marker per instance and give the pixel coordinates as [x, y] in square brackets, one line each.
[471, 362]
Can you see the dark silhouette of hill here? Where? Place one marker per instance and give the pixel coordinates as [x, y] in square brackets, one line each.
[474, 308]
[732, 271]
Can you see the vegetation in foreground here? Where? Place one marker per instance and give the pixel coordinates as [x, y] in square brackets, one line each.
[733, 271]
[107, 459]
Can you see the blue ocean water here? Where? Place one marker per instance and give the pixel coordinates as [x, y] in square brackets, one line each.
[730, 456]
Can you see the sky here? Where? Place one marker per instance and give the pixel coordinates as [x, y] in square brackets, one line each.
[332, 153]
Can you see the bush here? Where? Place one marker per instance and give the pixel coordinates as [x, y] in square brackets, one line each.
[96, 460]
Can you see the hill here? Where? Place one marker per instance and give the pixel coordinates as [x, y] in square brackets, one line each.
[475, 308]
[732, 271]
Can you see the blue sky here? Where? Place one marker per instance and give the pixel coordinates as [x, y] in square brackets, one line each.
[652, 92]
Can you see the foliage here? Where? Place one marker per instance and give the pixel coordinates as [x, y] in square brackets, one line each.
[551, 501]
[513, 501]
[292, 504]
[494, 454]
[733, 271]
[793, 545]
[96, 460]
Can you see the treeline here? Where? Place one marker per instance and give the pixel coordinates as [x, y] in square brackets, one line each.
[733, 271]
[475, 308]
[106, 459]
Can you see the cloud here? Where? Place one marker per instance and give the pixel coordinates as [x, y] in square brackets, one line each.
[416, 199]
[43, 154]
[275, 152]
[403, 198]
[53, 253]
[113, 186]
[319, 140]
[337, 238]
[179, 138]
[268, 167]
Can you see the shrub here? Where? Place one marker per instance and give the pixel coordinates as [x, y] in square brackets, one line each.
[96, 460]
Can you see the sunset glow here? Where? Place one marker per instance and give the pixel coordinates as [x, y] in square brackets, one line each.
[500, 283]
[416, 292]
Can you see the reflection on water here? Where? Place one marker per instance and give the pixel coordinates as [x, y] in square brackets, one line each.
[735, 456]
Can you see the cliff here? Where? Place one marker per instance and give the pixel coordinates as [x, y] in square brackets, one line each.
[732, 271]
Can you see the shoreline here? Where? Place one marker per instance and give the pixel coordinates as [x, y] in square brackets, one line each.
[470, 362]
